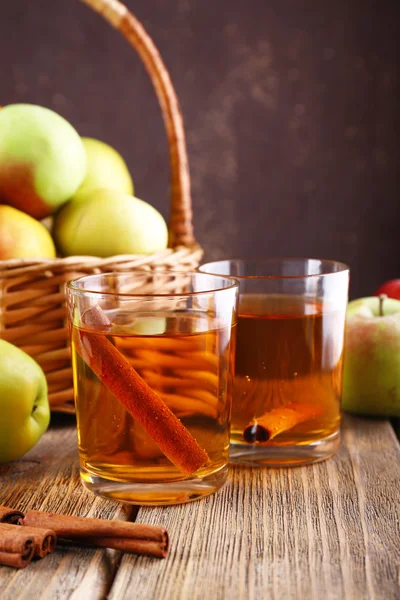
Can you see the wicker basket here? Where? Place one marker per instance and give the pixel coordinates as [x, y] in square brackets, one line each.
[32, 292]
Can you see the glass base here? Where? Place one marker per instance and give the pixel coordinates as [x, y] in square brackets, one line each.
[256, 455]
[155, 494]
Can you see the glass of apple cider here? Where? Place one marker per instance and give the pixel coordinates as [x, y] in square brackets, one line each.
[153, 365]
[288, 371]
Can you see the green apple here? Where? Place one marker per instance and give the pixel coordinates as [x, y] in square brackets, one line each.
[24, 406]
[105, 169]
[21, 236]
[107, 223]
[371, 375]
[42, 159]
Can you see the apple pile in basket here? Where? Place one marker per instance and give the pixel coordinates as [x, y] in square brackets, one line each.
[63, 195]
[48, 170]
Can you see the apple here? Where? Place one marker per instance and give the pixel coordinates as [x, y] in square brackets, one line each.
[107, 223]
[390, 288]
[21, 236]
[42, 159]
[371, 373]
[105, 169]
[24, 406]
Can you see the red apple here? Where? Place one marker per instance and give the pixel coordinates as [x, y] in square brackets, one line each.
[390, 288]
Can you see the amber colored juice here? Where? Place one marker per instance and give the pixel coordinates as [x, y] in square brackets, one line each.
[289, 350]
[188, 366]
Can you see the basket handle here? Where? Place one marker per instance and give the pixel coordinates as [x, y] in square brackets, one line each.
[180, 221]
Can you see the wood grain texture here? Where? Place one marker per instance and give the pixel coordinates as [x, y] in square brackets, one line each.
[48, 479]
[328, 531]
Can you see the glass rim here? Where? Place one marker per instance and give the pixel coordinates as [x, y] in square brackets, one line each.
[232, 281]
[343, 267]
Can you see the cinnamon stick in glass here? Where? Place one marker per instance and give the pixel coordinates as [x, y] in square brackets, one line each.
[120, 535]
[146, 407]
[276, 421]
[16, 546]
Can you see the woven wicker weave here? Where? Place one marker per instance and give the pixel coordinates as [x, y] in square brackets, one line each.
[32, 292]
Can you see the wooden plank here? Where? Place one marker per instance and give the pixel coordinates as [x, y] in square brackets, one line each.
[327, 531]
[47, 478]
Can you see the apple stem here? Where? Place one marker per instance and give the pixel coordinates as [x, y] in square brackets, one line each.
[382, 297]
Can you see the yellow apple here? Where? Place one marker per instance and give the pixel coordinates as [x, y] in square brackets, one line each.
[21, 236]
[105, 169]
[106, 223]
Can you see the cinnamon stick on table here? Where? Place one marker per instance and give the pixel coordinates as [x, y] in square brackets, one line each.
[120, 535]
[11, 516]
[44, 540]
[278, 420]
[147, 408]
[16, 546]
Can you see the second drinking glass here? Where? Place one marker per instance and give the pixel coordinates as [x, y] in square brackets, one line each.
[288, 380]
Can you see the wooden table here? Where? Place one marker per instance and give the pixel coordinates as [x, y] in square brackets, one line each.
[329, 531]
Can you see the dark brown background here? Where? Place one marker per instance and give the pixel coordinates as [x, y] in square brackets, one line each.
[291, 110]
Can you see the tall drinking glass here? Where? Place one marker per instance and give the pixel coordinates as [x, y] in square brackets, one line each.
[153, 359]
[288, 379]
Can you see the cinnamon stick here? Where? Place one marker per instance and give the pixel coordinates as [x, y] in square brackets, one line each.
[44, 539]
[164, 428]
[10, 516]
[16, 546]
[276, 421]
[120, 535]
